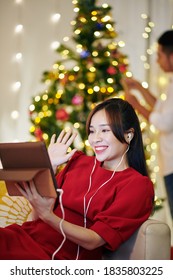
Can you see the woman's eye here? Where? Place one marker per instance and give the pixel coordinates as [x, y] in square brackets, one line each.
[105, 130]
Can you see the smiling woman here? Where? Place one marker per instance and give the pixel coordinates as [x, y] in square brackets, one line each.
[100, 193]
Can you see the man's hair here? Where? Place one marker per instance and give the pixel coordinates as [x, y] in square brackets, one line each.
[166, 41]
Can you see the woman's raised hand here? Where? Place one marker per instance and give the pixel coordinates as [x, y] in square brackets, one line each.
[58, 148]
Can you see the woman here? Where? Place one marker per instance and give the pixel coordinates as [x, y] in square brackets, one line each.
[105, 197]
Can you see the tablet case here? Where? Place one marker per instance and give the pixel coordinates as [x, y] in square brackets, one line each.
[41, 177]
[27, 161]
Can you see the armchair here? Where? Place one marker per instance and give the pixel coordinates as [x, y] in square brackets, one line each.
[152, 241]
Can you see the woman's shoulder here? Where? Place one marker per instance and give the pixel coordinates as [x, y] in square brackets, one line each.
[135, 173]
[137, 179]
[134, 176]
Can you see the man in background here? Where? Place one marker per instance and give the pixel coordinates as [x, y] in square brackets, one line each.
[160, 112]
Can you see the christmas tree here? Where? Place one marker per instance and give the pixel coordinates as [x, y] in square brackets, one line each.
[84, 75]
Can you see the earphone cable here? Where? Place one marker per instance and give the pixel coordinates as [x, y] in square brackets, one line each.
[60, 224]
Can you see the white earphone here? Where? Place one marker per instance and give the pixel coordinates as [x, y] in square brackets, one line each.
[129, 137]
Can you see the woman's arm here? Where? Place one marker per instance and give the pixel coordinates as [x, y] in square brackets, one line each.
[43, 206]
[84, 237]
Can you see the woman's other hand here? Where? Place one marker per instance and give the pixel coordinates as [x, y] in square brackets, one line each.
[42, 206]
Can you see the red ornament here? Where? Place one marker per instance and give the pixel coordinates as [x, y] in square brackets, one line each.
[122, 68]
[38, 134]
[62, 115]
[111, 70]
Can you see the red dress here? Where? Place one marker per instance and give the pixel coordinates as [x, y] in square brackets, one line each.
[115, 211]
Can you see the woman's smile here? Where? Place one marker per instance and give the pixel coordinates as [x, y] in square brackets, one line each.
[100, 149]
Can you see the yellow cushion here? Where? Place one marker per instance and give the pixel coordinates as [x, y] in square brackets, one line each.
[12, 209]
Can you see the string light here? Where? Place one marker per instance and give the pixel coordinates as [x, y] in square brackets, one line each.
[150, 136]
[18, 56]
[19, 28]
[55, 18]
[146, 35]
[16, 86]
[55, 45]
[18, 1]
[14, 115]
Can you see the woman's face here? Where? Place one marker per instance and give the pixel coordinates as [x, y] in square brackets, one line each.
[108, 149]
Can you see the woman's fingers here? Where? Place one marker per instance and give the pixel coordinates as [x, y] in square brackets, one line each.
[20, 188]
[27, 189]
[66, 138]
[52, 140]
[70, 154]
[23, 188]
[33, 188]
[71, 139]
[60, 137]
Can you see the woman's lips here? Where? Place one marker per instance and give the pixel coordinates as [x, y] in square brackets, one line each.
[100, 149]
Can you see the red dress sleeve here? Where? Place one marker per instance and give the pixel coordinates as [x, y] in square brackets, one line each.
[133, 205]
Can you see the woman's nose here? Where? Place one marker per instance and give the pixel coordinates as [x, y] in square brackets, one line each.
[97, 137]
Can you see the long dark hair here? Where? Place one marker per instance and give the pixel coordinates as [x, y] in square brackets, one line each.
[122, 118]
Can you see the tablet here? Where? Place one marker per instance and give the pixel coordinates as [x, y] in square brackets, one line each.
[25, 161]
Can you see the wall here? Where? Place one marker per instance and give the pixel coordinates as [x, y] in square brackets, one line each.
[34, 43]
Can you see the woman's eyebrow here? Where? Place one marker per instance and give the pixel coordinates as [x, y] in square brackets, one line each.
[101, 125]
